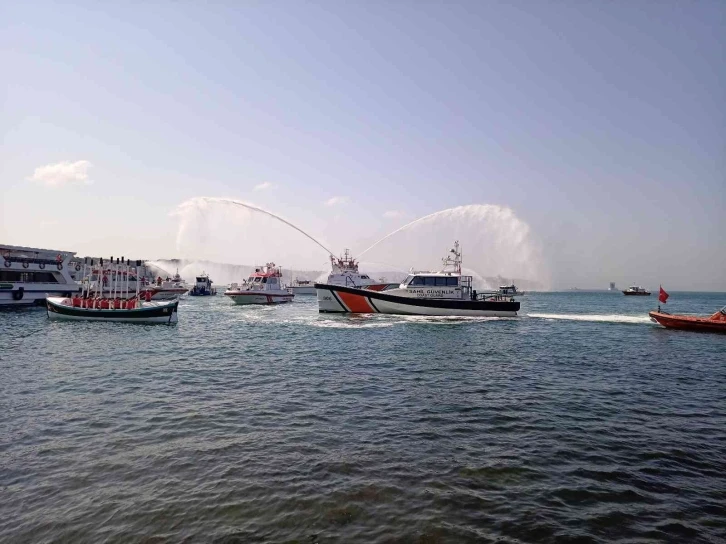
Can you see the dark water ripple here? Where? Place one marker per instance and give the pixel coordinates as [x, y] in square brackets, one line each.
[281, 425]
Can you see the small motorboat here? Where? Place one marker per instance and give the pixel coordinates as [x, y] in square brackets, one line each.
[202, 287]
[443, 293]
[634, 290]
[510, 291]
[264, 286]
[712, 323]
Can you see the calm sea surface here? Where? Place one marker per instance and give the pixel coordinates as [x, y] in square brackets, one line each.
[579, 421]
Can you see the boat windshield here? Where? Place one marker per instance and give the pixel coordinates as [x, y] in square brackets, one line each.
[434, 281]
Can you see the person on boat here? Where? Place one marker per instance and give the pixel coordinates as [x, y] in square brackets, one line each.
[147, 296]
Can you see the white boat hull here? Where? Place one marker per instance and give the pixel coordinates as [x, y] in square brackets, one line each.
[307, 290]
[244, 298]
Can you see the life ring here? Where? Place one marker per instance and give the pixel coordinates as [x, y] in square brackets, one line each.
[7, 264]
[59, 266]
[26, 264]
[41, 266]
[18, 295]
[78, 268]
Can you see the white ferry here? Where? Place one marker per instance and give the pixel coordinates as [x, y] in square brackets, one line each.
[443, 293]
[264, 286]
[28, 275]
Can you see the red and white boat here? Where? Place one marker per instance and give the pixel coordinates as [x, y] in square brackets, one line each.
[264, 286]
[344, 271]
[712, 323]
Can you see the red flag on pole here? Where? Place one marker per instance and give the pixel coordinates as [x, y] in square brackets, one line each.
[663, 296]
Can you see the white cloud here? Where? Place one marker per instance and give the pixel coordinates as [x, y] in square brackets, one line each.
[263, 186]
[392, 214]
[61, 173]
[336, 200]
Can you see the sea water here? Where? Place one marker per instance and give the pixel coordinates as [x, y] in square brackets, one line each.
[578, 421]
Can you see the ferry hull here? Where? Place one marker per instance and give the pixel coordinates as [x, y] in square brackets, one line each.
[244, 299]
[148, 313]
[338, 299]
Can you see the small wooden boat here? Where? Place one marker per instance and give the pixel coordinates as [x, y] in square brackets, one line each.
[713, 323]
[131, 311]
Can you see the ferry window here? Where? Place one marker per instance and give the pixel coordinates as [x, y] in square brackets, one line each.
[452, 282]
[440, 282]
[364, 278]
[429, 281]
[257, 280]
[9, 276]
[417, 280]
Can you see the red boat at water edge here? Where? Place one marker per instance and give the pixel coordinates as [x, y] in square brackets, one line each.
[713, 323]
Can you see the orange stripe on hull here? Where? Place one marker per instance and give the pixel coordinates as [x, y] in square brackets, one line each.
[355, 303]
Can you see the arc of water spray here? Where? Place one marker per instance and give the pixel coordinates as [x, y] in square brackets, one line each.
[405, 227]
[256, 209]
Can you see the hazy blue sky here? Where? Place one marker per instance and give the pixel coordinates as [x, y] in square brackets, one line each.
[601, 125]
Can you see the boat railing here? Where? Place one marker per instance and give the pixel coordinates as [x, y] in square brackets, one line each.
[30, 260]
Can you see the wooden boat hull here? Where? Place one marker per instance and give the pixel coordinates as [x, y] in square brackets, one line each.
[339, 299]
[150, 312]
[689, 323]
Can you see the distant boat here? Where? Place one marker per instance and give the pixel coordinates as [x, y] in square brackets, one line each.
[712, 323]
[302, 287]
[510, 291]
[634, 290]
[612, 286]
[203, 287]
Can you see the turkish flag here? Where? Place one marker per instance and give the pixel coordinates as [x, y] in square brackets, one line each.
[663, 296]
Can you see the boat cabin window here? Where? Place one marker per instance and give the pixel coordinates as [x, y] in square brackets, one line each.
[434, 281]
[200, 279]
[364, 277]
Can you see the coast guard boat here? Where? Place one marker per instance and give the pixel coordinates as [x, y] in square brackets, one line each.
[443, 293]
[264, 286]
[344, 271]
[28, 275]
[203, 287]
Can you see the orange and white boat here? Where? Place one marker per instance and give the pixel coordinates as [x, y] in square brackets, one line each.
[264, 286]
[712, 323]
[443, 293]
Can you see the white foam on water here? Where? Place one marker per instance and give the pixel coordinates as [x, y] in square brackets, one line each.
[600, 318]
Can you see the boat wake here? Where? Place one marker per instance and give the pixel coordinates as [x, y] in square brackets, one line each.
[599, 318]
